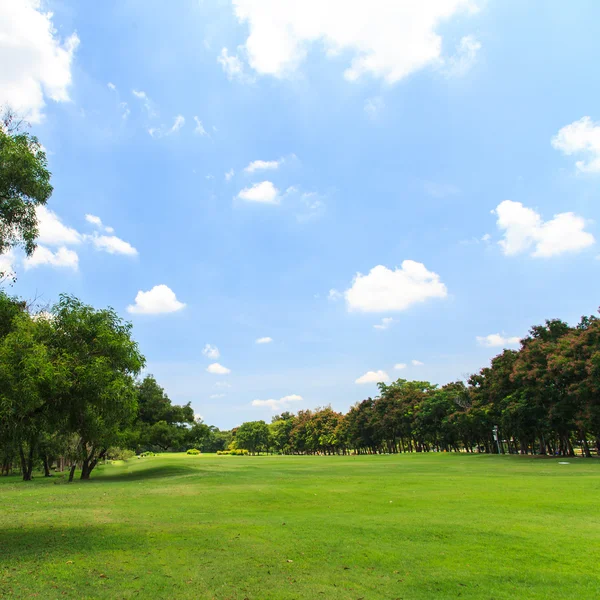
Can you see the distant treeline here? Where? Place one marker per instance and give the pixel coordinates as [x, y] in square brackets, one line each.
[541, 399]
[70, 397]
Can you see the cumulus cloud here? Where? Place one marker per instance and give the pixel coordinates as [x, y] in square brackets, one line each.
[36, 63]
[7, 261]
[373, 377]
[264, 340]
[334, 295]
[211, 352]
[229, 175]
[400, 366]
[217, 369]
[160, 299]
[264, 192]
[278, 404]
[387, 40]
[52, 231]
[496, 340]
[384, 290]
[583, 138]
[62, 258]
[385, 323]
[263, 165]
[525, 231]
[416, 363]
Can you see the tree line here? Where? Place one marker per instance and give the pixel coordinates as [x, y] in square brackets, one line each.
[541, 399]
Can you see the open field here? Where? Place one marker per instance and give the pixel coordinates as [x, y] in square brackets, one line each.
[412, 527]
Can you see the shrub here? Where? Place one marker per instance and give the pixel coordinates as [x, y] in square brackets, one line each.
[119, 454]
[234, 452]
[193, 451]
[147, 453]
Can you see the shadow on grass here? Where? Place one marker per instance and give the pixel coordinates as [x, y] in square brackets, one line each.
[139, 474]
[41, 543]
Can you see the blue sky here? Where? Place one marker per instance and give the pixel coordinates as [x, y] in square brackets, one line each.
[448, 152]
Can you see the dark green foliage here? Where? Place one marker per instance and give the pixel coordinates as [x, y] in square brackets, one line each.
[24, 185]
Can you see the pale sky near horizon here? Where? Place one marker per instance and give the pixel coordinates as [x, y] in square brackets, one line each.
[294, 200]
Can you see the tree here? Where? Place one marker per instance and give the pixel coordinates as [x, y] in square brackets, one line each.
[253, 436]
[99, 398]
[24, 185]
[29, 378]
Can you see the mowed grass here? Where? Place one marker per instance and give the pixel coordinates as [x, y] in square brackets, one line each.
[412, 527]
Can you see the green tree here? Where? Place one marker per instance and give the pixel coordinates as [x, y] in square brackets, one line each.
[24, 185]
[99, 399]
[253, 436]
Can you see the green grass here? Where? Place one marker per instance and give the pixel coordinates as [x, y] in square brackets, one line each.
[203, 527]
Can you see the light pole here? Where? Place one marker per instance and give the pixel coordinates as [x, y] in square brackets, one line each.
[495, 432]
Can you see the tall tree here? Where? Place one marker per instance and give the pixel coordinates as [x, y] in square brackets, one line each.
[24, 185]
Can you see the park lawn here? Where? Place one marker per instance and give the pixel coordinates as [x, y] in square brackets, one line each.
[276, 527]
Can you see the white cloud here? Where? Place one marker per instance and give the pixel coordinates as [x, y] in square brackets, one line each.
[495, 340]
[400, 366]
[373, 377]
[229, 175]
[211, 351]
[387, 40]
[7, 261]
[385, 323]
[125, 108]
[264, 340]
[263, 165]
[111, 86]
[222, 384]
[334, 295]
[160, 299]
[94, 220]
[113, 245]
[36, 64]
[148, 104]
[264, 192]
[233, 66]
[159, 132]
[465, 57]
[416, 363]
[384, 290]
[278, 404]
[525, 231]
[581, 137]
[374, 106]
[213, 396]
[52, 231]
[198, 418]
[217, 369]
[199, 129]
[63, 257]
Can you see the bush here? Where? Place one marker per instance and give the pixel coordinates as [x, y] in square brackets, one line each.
[119, 453]
[234, 452]
[193, 451]
[147, 453]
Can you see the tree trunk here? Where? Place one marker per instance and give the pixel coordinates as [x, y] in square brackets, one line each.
[46, 466]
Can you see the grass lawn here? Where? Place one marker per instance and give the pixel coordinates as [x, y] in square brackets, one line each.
[420, 526]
